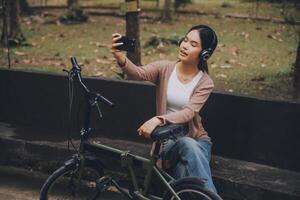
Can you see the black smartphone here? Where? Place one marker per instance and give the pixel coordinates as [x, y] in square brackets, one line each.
[128, 44]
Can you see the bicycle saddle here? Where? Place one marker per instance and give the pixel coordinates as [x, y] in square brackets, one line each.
[168, 131]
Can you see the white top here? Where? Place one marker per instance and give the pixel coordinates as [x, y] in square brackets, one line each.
[178, 93]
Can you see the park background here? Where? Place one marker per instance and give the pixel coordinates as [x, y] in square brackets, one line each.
[256, 54]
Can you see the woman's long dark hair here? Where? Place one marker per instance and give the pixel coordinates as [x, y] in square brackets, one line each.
[206, 36]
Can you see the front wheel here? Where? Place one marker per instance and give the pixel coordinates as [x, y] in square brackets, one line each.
[190, 188]
[64, 184]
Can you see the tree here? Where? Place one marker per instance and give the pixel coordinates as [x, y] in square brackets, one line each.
[133, 31]
[74, 13]
[167, 12]
[11, 30]
[25, 8]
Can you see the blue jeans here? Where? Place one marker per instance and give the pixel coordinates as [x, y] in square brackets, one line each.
[189, 157]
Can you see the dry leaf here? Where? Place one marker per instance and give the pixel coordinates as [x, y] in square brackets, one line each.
[99, 60]
[27, 61]
[221, 75]
[98, 44]
[98, 74]
[271, 36]
[231, 61]
[242, 64]
[235, 51]
[214, 65]
[225, 66]
[19, 53]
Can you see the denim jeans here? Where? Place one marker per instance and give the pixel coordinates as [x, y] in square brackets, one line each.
[189, 157]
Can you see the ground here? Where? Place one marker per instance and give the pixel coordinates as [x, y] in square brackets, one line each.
[22, 184]
[253, 58]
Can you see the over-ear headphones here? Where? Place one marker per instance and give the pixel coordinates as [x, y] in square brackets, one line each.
[207, 52]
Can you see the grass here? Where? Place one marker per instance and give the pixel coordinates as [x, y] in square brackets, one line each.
[253, 58]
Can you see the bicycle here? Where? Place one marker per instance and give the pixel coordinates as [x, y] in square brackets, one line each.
[83, 176]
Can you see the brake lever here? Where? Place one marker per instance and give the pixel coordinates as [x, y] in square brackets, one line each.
[99, 110]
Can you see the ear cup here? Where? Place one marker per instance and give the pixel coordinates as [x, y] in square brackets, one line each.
[205, 54]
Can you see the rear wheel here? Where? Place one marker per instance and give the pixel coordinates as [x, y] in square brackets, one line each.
[190, 188]
[64, 184]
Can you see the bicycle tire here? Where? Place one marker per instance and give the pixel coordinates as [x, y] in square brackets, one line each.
[190, 188]
[62, 183]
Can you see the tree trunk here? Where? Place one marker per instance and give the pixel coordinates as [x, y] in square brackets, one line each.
[25, 8]
[74, 13]
[167, 12]
[12, 25]
[133, 31]
[72, 4]
[296, 78]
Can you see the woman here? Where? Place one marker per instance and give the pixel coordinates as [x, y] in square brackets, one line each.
[182, 88]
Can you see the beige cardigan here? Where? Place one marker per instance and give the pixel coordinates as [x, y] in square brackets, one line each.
[159, 73]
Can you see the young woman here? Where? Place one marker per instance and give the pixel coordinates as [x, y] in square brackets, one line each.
[182, 88]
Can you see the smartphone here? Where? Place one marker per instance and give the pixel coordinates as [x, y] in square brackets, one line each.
[128, 44]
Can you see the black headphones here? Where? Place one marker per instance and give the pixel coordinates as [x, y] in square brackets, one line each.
[205, 53]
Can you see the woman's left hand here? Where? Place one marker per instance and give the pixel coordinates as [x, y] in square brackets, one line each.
[147, 128]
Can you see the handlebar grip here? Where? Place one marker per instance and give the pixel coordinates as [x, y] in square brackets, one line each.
[74, 62]
[106, 101]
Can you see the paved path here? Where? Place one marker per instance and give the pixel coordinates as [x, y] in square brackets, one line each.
[20, 184]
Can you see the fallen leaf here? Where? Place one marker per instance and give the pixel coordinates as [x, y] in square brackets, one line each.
[235, 51]
[19, 53]
[214, 65]
[231, 61]
[98, 44]
[98, 74]
[27, 61]
[221, 75]
[242, 64]
[225, 66]
[99, 60]
[271, 36]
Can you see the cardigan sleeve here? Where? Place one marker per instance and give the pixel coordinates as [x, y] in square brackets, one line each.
[148, 72]
[193, 107]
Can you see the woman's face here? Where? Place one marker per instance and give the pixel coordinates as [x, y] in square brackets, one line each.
[190, 47]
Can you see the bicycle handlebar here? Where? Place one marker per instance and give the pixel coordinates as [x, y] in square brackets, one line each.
[76, 71]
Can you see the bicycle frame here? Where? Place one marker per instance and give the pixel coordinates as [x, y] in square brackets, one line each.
[128, 160]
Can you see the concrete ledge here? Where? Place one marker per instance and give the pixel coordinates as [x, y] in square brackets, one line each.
[234, 179]
[244, 128]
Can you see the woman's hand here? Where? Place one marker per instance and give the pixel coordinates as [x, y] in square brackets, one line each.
[119, 56]
[147, 128]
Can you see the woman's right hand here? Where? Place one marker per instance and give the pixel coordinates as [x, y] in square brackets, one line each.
[119, 56]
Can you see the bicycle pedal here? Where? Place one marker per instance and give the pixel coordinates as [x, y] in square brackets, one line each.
[103, 183]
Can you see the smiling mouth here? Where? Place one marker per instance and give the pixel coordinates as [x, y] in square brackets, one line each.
[183, 53]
